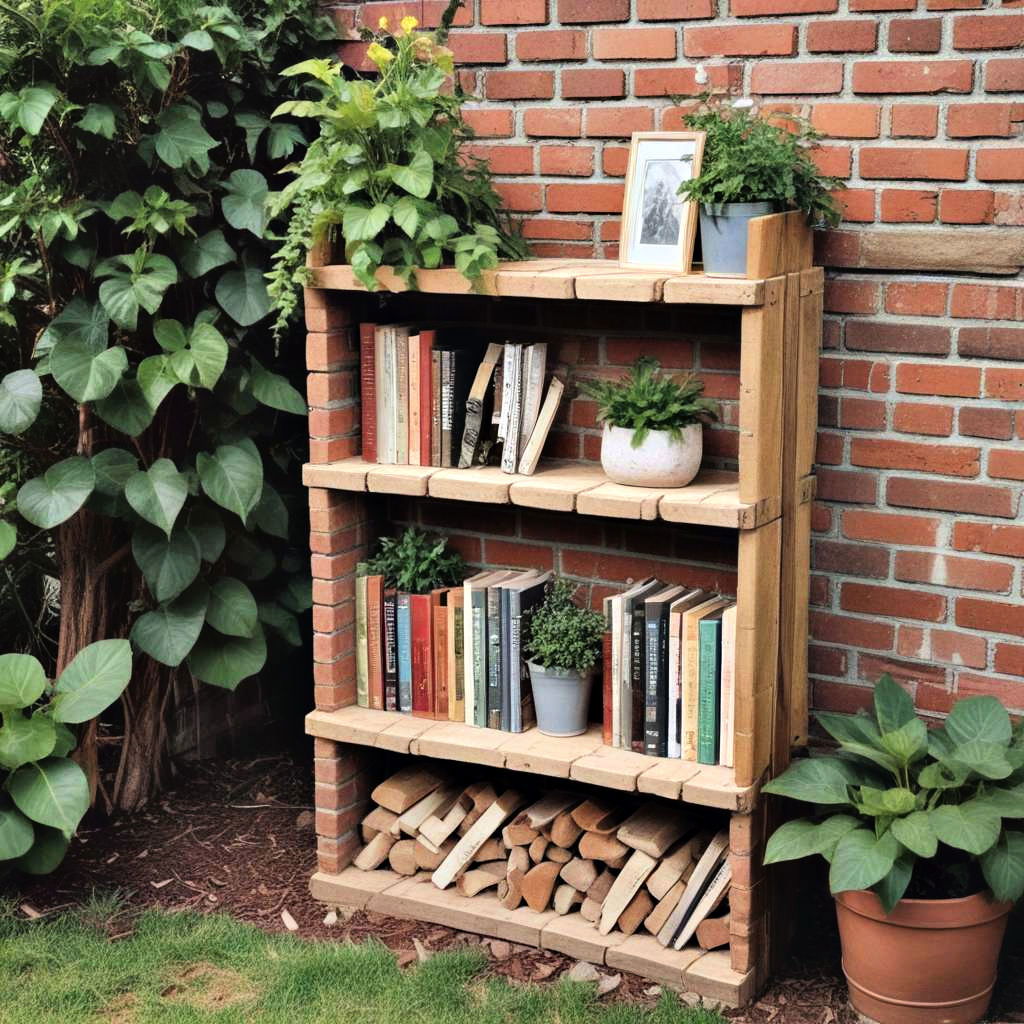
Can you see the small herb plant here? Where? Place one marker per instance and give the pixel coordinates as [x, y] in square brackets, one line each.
[905, 810]
[390, 168]
[749, 159]
[647, 399]
[416, 563]
[562, 635]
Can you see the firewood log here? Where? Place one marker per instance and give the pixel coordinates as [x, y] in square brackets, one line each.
[436, 802]
[406, 787]
[438, 827]
[598, 815]
[601, 886]
[590, 910]
[638, 908]
[506, 805]
[473, 882]
[564, 830]
[558, 854]
[656, 919]
[653, 830]
[545, 810]
[514, 890]
[624, 888]
[493, 849]
[539, 884]
[519, 859]
[566, 897]
[498, 868]
[427, 860]
[402, 857]
[580, 874]
[713, 932]
[596, 846]
[537, 848]
[671, 868]
[376, 851]
[519, 832]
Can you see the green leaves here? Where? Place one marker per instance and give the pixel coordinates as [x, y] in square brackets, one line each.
[98, 119]
[158, 494]
[21, 395]
[16, 833]
[232, 608]
[972, 826]
[207, 253]
[915, 832]
[860, 860]
[169, 564]
[417, 178]
[803, 838]
[1003, 866]
[53, 792]
[244, 204]
[817, 780]
[25, 739]
[978, 718]
[182, 141]
[226, 661]
[22, 680]
[893, 705]
[86, 373]
[170, 631]
[58, 494]
[29, 107]
[197, 357]
[94, 679]
[273, 390]
[242, 294]
[362, 223]
[232, 477]
[136, 281]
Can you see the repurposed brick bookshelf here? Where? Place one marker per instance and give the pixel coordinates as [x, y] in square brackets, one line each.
[764, 506]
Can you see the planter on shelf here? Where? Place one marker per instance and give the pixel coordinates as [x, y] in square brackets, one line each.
[561, 698]
[927, 961]
[915, 824]
[723, 235]
[660, 460]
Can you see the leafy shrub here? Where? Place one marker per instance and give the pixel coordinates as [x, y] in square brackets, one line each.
[43, 793]
[906, 806]
[749, 159]
[646, 399]
[416, 563]
[562, 635]
[389, 167]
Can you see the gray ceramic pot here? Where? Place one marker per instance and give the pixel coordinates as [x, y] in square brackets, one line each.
[561, 698]
[723, 235]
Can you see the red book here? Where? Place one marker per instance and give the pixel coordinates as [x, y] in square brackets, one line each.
[426, 391]
[375, 640]
[606, 687]
[422, 656]
[439, 626]
[368, 391]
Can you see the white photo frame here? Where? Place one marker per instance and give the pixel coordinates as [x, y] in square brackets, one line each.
[659, 227]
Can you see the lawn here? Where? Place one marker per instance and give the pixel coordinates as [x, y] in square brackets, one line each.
[96, 965]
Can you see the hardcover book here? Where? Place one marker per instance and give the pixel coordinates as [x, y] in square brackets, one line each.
[422, 656]
[675, 657]
[690, 673]
[636, 705]
[368, 391]
[425, 391]
[709, 686]
[535, 358]
[539, 435]
[435, 407]
[404, 631]
[456, 656]
[477, 407]
[362, 667]
[401, 336]
[727, 729]
[656, 610]
[414, 400]
[375, 641]
[439, 632]
[380, 362]
[623, 696]
[523, 594]
[390, 650]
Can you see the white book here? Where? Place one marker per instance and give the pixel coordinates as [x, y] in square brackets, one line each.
[380, 350]
[401, 357]
[712, 896]
[507, 361]
[727, 720]
[468, 688]
[510, 449]
[532, 451]
[675, 652]
[535, 360]
[615, 624]
[414, 401]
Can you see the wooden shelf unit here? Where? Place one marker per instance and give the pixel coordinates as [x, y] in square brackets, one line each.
[768, 503]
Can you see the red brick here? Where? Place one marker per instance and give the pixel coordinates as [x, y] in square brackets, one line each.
[589, 198]
[570, 161]
[916, 299]
[615, 161]
[847, 120]
[672, 10]
[914, 163]
[855, 374]
[676, 81]
[966, 206]
[861, 414]
[990, 538]
[953, 5]
[908, 675]
[909, 206]
[915, 35]
[593, 83]
[479, 47]
[988, 32]
[1004, 75]
[991, 342]
[796, 79]
[633, 43]
[835, 161]
[1006, 464]
[847, 486]
[1000, 165]
[915, 418]
[578, 12]
[914, 121]
[515, 554]
[906, 76]
[842, 629]
[1011, 694]
[990, 422]
[1009, 659]
[832, 36]
[1005, 385]
[504, 159]
[880, 336]
[760, 8]
[845, 698]
[860, 6]
[991, 616]
[553, 122]
[896, 602]
[890, 527]
[851, 559]
[518, 85]
[954, 648]
[844, 296]
[988, 302]
[948, 460]
[976, 120]
[548, 228]
[826, 661]
[856, 204]
[520, 197]
[491, 122]
[949, 381]
[829, 450]
[327, 351]
[947, 496]
[740, 41]
[513, 12]
[561, 44]
[618, 122]
[952, 571]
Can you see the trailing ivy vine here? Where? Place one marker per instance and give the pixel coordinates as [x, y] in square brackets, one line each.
[138, 157]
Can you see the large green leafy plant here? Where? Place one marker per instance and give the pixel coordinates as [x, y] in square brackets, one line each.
[904, 809]
[389, 167]
[144, 384]
[753, 159]
[416, 563]
[646, 399]
[43, 793]
[562, 635]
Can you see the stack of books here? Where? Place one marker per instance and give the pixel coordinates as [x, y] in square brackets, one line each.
[669, 672]
[430, 401]
[454, 654]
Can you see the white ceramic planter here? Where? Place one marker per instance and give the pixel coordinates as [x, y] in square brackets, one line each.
[561, 699]
[658, 462]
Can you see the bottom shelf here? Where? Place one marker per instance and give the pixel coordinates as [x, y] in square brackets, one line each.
[691, 969]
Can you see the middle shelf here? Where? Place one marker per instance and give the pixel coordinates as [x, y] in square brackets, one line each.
[711, 500]
[583, 758]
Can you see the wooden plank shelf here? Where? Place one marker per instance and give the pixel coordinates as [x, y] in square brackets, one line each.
[563, 279]
[581, 758]
[711, 500]
[385, 892]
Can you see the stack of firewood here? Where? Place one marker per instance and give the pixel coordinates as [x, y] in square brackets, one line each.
[618, 866]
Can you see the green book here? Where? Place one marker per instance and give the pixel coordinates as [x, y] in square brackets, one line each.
[709, 675]
[362, 649]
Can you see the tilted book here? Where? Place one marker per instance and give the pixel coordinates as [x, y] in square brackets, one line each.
[477, 406]
[368, 391]
[535, 360]
[538, 437]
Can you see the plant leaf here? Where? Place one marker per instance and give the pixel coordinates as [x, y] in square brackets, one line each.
[22, 680]
[16, 833]
[206, 253]
[973, 825]
[242, 294]
[48, 850]
[183, 140]
[273, 390]
[49, 500]
[53, 792]
[804, 838]
[818, 780]
[25, 739]
[169, 632]
[893, 705]
[87, 375]
[978, 718]
[232, 477]
[915, 832]
[21, 396]
[158, 494]
[232, 608]
[1003, 866]
[94, 679]
[225, 661]
[244, 204]
[861, 860]
[169, 565]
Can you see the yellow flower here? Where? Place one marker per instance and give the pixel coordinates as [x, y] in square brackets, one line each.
[379, 55]
[382, 23]
[408, 23]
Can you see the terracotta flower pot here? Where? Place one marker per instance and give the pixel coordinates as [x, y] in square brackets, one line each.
[928, 962]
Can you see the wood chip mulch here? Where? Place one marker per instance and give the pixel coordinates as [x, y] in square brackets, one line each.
[237, 837]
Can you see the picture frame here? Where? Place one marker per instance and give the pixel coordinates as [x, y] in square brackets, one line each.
[659, 227]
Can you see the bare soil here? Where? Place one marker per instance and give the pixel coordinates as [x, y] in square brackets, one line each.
[237, 837]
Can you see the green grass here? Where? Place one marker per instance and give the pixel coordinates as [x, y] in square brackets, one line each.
[184, 968]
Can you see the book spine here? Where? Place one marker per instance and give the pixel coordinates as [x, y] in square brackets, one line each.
[663, 697]
[439, 627]
[414, 400]
[506, 660]
[651, 739]
[674, 746]
[707, 712]
[727, 727]
[402, 397]
[447, 399]
[626, 679]
[391, 395]
[616, 627]
[457, 659]
[510, 451]
[380, 362]
[390, 651]
[533, 391]
[606, 686]
[514, 722]
[422, 658]
[493, 658]
[403, 628]
[435, 407]
[375, 641]
[691, 690]
[638, 680]
[478, 613]
[368, 392]
[426, 347]
[362, 651]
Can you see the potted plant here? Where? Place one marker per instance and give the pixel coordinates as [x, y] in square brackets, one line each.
[391, 168]
[752, 166]
[924, 863]
[653, 421]
[416, 563]
[562, 645]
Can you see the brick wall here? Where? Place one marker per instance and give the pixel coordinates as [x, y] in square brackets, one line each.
[917, 556]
